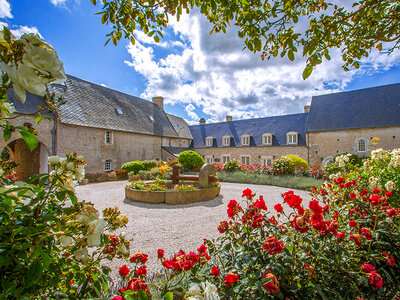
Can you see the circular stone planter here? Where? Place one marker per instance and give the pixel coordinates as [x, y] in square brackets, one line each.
[173, 197]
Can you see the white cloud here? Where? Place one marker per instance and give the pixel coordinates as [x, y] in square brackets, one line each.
[57, 2]
[5, 9]
[20, 30]
[216, 74]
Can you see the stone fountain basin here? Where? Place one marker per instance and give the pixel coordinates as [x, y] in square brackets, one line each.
[172, 196]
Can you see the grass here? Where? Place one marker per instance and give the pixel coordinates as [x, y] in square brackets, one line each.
[292, 182]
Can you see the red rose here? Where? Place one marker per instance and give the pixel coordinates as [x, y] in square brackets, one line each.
[273, 285]
[124, 271]
[375, 279]
[160, 253]
[367, 268]
[141, 271]
[356, 237]
[299, 223]
[272, 245]
[136, 284]
[202, 248]
[215, 271]
[352, 223]
[260, 203]
[231, 278]
[314, 205]
[223, 226]
[248, 193]
[367, 233]
[139, 257]
[278, 207]
[233, 208]
[352, 196]
[116, 298]
[388, 194]
[376, 191]
[375, 200]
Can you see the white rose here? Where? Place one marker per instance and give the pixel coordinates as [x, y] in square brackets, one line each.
[70, 165]
[79, 157]
[122, 235]
[390, 185]
[96, 228]
[53, 160]
[82, 254]
[66, 241]
[210, 291]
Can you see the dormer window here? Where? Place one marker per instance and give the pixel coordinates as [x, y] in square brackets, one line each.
[226, 141]
[292, 138]
[267, 139]
[245, 140]
[209, 141]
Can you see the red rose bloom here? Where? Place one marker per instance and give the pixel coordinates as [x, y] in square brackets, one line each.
[202, 248]
[273, 285]
[375, 200]
[272, 245]
[352, 196]
[223, 226]
[356, 237]
[299, 223]
[366, 232]
[248, 193]
[352, 223]
[233, 208]
[340, 236]
[231, 278]
[278, 207]
[116, 298]
[136, 284]
[139, 257]
[141, 271]
[215, 271]
[375, 279]
[367, 268]
[376, 191]
[260, 203]
[160, 253]
[388, 194]
[124, 271]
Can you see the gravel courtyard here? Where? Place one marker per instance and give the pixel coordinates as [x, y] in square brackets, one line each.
[173, 227]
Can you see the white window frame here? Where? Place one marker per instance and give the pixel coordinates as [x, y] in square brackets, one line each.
[245, 140]
[223, 158]
[244, 157]
[209, 159]
[290, 136]
[108, 137]
[209, 141]
[358, 145]
[226, 141]
[108, 165]
[269, 136]
[264, 158]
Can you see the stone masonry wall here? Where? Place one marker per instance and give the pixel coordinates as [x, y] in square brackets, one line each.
[325, 145]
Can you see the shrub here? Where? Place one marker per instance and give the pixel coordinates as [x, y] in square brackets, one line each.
[133, 166]
[298, 162]
[190, 160]
[145, 175]
[332, 168]
[149, 164]
[231, 166]
[122, 174]
[283, 165]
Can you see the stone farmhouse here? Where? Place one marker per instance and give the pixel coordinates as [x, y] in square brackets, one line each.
[332, 124]
[109, 128]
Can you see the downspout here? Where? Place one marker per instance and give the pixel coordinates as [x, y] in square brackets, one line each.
[54, 130]
[308, 148]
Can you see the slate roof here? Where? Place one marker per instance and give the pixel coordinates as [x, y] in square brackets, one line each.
[279, 126]
[180, 126]
[371, 107]
[92, 105]
[30, 106]
[175, 150]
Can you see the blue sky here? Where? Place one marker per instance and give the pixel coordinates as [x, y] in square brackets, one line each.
[199, 75]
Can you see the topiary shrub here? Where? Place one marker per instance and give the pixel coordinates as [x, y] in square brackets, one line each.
[190, 160]
[149, 164]
[133, 166]
[231, 166]
[298, 162]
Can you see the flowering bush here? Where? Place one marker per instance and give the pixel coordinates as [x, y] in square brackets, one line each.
[185, 187]
[218, 167]
[232, 165]
[121, 174]
[147, 186]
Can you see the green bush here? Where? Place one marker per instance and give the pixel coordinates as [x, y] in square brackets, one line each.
[353, 159]
[133, 166]
[149, 164]
[331, 168]
[298, 162]
[283, 165]
[231, 166]
[190, 160]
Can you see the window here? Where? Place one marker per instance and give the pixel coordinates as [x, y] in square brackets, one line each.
[267, 139]
[209, 141]
[361, 146]
[225, 158]
[292, 138]
[108, 138]
[107, 165]
[209, 160]
[246, 160]
[267, 161]
[245, 140]
[226, 141]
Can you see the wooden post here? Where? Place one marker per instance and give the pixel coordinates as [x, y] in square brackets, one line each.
[175, 174]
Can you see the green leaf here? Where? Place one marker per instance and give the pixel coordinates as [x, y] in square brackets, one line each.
[104, 18]
[142, 295]
[157, 39]
[30, 140]
[307, 72]
[34, 273]
[291, 56]
[6, 134]
[38, 119]
[169, 296]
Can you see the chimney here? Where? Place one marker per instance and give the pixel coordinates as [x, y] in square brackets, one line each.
[159, 101]
[202, 121]
[228, 118]
[307, 108]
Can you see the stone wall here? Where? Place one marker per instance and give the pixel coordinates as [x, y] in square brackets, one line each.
[325, 145]
[256, 154]
[90, 142]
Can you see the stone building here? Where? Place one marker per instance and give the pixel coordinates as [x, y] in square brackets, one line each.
[333, 124]
[107, 127]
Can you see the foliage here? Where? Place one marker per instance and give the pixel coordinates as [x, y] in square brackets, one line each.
[149, 164]
[283, 165]
[292, 182]
[147, 186]
[103, 176]
[122, 174]
[190, 160]
[7, 165]
[298, 162]
[133, 166]
[185, 187]
[231, 166]
[331, 168]
[273, 28]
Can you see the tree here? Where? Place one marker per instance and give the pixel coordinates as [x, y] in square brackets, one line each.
[280, 27]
